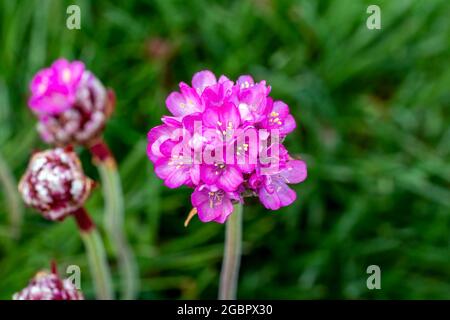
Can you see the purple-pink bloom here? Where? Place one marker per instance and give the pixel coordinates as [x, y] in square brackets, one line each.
[224, 140]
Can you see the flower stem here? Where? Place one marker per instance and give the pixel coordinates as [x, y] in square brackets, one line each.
[11, 198]
[232, 255]
[96, 255]
[114, 219]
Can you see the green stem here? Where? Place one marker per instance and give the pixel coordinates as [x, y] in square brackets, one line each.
[114, 222]
[232, 255]
[98, 264]
[11, 198]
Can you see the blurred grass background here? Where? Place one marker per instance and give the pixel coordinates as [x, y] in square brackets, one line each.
[373, 114]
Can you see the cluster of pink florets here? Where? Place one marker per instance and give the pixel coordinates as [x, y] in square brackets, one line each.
[242, 123]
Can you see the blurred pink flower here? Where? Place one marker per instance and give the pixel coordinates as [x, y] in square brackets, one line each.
[71, 104]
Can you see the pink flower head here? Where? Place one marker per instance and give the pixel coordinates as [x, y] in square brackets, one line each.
[54, 183]
[224, 140]
[49, 286]
[71, 104]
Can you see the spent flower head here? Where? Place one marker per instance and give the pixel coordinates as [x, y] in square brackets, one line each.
[224, 140]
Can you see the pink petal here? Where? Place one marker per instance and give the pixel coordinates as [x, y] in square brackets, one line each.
[155, 137]
[295, 171]
[206, 213]
[40, 83]
[167, 146]
[193, 122]
[200, 200]
[173, 175]
[245, 81]
[198, 197]
[172, 121]
[176, 104]
[195, 174]
[162, 168]
[223, 79]
[193, 102]
[270, 201]
[202, 80]
[210, 117]
[208, 174]
[229, 115]
[245, 112]
[284, 193]
[60, 64]
[226, 83]
[226, 210]
[288, 125]
[281, 108]
[230, 179]
[178, 177]
[246, 167]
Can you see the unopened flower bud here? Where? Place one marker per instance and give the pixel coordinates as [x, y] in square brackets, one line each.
[54, 183]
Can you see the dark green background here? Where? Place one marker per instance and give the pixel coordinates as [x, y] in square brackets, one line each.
[373, 125]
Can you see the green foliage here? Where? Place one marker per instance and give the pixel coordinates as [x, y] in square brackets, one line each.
[373, 114]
